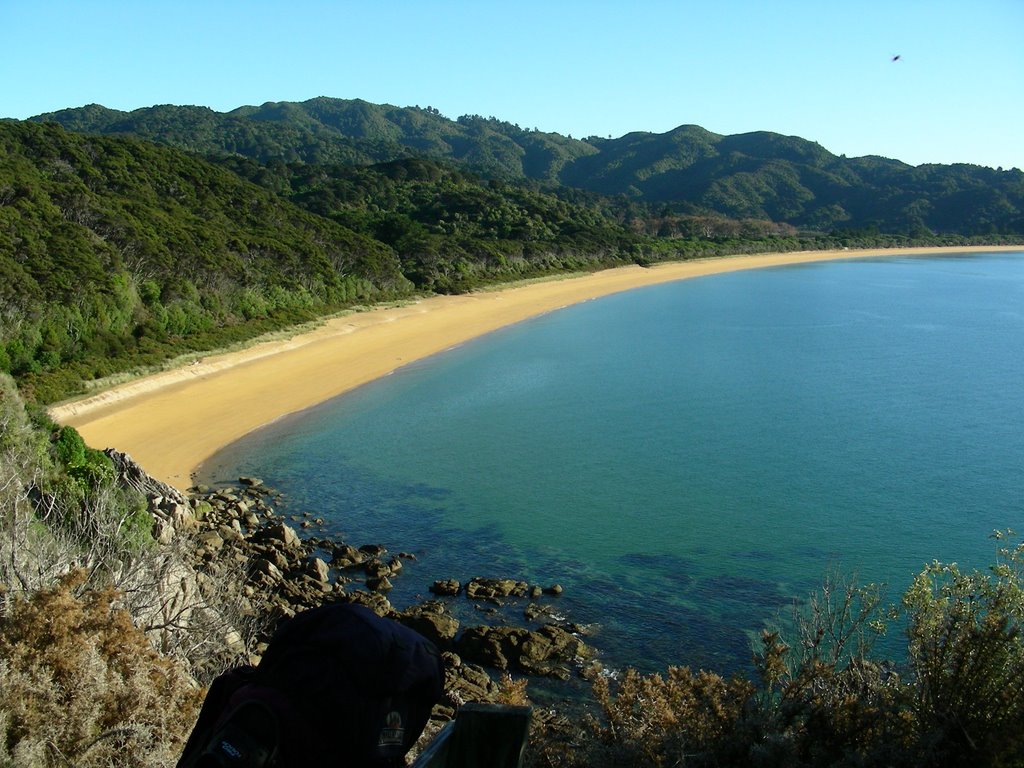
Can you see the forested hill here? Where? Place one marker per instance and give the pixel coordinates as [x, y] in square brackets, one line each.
[350, 132]
[116, 252]
[689, 170]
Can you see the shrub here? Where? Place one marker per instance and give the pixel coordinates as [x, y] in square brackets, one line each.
[69, 447]
[88, 466]
[822, 700]
[967, 656]
[650, 720]
[81, 685]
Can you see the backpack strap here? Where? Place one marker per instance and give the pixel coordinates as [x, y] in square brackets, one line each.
[248, 737]
[210, 715]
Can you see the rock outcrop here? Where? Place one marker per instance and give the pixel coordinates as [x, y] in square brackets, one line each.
[550, 651]
[238, 553]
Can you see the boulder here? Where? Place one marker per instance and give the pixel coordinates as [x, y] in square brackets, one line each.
[274, 555]
[491, 646]
[268, 569]
[493, 589]
[377, 569]
[375, 601]
[210, 541]
[533, 612]
[379, 583]
[163, 531]
[446, 587]
[546, 651]
[229, 532]
[433, 622]
[318, 569]
[551, 642]
[201, 509]
[182, 517]
[284, 534]
[346, 556]
[464, 681]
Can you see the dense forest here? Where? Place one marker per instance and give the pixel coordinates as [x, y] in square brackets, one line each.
[112, 251]
[129, 238]
[117, 252]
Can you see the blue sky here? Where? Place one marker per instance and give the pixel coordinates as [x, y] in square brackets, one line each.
[822, 70]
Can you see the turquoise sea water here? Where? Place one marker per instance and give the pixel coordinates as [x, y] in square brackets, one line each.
[687, 459]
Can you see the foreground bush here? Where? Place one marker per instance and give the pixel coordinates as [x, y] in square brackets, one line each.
[81, 685]
[967, 656]
[821, 700]
[664, 721]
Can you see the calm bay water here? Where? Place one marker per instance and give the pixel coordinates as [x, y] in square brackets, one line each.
[687, 459]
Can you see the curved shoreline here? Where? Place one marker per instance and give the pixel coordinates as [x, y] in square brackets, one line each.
[173, 421]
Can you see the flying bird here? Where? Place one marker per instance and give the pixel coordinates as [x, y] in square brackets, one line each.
[897, 57]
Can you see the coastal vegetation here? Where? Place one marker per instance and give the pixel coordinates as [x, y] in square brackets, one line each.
[127, 239]
[80, 680]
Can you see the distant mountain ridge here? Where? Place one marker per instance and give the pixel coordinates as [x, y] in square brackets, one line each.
[323, 130]
[690, 170]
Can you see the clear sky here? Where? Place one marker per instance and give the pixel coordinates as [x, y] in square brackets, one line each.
[819, 69]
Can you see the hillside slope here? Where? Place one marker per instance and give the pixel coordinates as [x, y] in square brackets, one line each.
[116, 251]
[112, 247]
[690, 170]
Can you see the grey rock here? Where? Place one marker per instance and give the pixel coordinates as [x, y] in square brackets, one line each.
[319, 569]
[210, 541]
[448, 587]
[492, 589]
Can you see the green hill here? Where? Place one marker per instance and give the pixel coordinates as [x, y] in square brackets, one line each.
[117, 252]
[783, 179]
[788, 179]
[114, 248]
[326, 130]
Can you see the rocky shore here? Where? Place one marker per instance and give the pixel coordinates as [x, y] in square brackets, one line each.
[268, 567]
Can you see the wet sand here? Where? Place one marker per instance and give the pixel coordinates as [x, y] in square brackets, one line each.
[171, 422]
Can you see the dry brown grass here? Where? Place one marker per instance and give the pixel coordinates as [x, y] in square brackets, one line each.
[81, 685]
[654, 720]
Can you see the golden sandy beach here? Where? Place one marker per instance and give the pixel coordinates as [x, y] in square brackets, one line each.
[173, 421]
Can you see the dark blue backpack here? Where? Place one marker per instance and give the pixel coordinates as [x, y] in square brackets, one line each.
[338, 685]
